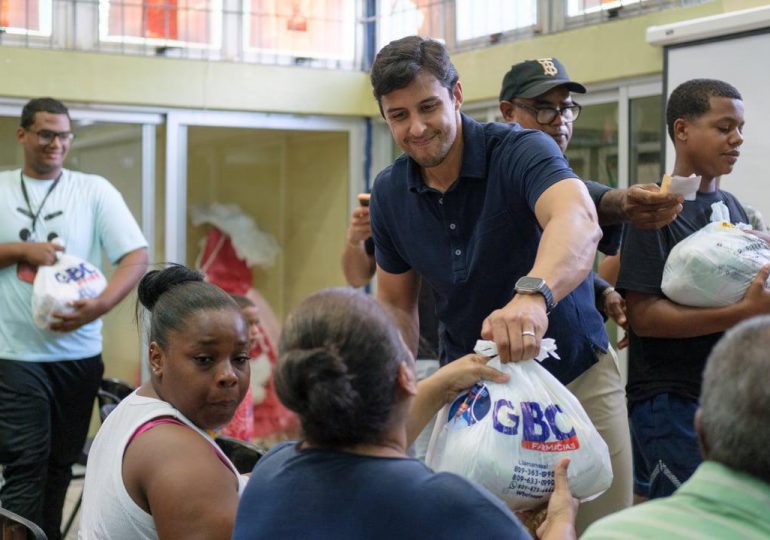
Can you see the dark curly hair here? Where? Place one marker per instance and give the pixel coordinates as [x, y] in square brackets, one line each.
[690, 99]
[45, 104]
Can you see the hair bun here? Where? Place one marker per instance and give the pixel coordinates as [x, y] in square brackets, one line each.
[319, 378]
[156, 282]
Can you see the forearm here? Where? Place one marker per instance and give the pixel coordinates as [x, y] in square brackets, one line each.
[611, 209]
[129, 271]
[659, 317]
[357, 266]
[399, 294]
[428, 401]
[566, 253]
[11, 253]
[408, 323]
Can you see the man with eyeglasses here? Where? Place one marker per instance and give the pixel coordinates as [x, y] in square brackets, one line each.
[49, 378]
[536, 94]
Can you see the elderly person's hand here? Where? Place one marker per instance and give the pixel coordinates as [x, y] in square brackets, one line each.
[557, 520]
[562, 508]
[444, 385]
[646, 207]
[463, 373]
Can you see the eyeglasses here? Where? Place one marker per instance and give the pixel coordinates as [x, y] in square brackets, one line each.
[546, 115]
[46, 136]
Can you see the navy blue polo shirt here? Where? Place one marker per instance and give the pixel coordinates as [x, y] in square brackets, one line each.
[473, 242]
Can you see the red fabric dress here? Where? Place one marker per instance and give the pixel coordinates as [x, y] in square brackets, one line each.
[270, 420]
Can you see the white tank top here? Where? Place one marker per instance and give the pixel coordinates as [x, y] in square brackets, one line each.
[108, 512]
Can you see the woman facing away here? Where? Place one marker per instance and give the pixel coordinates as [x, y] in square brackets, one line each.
[344, 369]
[153, 471]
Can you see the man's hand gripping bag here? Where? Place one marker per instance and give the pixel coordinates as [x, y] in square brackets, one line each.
[508, 437]
[55, 287]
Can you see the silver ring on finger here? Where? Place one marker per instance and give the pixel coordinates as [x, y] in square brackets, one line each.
[528, 333]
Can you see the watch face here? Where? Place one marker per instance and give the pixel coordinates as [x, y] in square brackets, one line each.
[528, 283]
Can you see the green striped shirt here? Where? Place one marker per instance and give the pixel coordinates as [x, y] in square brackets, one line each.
[715, 503]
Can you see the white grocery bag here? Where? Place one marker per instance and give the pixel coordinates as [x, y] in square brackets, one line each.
[55, 287]
[714, 266]
[508, 437]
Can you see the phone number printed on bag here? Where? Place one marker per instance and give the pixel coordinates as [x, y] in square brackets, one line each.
[531, 480]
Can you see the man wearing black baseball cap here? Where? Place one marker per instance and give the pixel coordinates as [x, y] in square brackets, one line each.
[537, 95]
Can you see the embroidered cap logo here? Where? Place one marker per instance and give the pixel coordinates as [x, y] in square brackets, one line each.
[549, 68]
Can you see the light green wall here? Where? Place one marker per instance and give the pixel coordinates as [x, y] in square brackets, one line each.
[604, 52]
[608, 51]
[165, 82]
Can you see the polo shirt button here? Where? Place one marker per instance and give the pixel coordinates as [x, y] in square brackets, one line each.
[452, 226]
[441, 200]
[458, 252]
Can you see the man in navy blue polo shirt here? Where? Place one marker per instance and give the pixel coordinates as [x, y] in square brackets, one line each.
[537, 94]
[490, 216]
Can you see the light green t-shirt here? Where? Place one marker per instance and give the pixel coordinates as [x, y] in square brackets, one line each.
[715, 503]
[90, 216]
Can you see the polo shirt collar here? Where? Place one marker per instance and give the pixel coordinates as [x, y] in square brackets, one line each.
[474, 163]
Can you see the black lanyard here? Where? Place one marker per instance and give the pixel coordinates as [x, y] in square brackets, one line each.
[29, 213]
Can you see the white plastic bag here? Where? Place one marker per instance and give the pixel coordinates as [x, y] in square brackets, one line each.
[508, 437]
[57, 286]
[714, 266]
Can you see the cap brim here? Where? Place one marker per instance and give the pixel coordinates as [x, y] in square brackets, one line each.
[542, 87]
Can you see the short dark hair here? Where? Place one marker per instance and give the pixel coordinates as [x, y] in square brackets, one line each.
[172, 294]
[45, 104]
[690, 99]
[339, 357]
[735, 399]
[400, 61]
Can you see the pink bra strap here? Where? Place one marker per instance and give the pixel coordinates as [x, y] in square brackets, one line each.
[161, 420]
[155, 422]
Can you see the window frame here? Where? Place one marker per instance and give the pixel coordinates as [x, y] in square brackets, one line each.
[284, 56]
[45, 16]
[215, 24]
[511, 34]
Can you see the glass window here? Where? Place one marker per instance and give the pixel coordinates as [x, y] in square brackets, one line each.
[301, 28]
[30, 17]
[477, 18]
[593, 152]
[646, 118]
[583, 7]
[400, 18]
[161, 22]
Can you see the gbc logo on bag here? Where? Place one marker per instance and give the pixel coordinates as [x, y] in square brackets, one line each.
[80, 273]
[540, 428]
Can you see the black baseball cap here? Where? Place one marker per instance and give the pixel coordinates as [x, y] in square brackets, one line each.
[533, 78]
